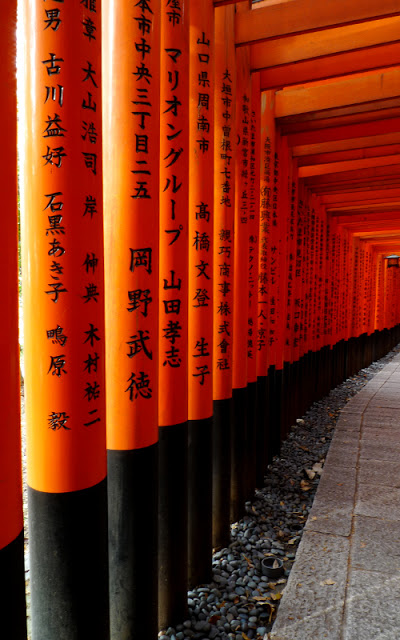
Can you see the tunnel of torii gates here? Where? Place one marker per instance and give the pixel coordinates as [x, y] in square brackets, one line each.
[245, 161]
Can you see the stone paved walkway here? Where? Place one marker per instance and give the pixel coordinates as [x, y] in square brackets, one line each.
[345, 582]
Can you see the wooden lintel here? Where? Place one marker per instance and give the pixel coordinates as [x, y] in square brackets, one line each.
[347, 165]
[365, 88]
[307, 15]
[343, 145]
[299, 48]
[365, 129]
[350, 154]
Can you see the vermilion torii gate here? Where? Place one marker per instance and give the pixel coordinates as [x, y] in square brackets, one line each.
[208, 196]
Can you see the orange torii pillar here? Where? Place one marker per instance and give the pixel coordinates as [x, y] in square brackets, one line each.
[241, 285]
[173, 303]
[224, 207]
[63, 294]
[131, 214]
[267, 151]
[297, 299]
[200, 301]
[253, 266]
[12, 576]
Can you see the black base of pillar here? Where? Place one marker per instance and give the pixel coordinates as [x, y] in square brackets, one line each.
[200, 502]
[223, 420]
[251, 438]
[172, 525]
[68, 564]
[12, 590]
[133, 542]
[238, 454]
[261, 432]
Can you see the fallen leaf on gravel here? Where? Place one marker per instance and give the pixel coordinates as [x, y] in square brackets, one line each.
[275, 564]
[305, 486]
[214, 619]
[310, 473]
[276, 596]
[317, 467]
[328, 581]
[281, 581]
[244, 636]
[292, 541]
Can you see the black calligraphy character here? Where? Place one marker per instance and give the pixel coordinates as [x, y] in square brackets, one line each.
[91, 292]
[143, 47]
[172, 331]
[224, 328]
[58, 421]
[56, 267]
[144, 5]
[55, 225]
[224, 288]
[203, 144]
[52, 92]
[53, 128]
[90, 205]
[203, 79]
[89, 132]
[203, 372]
[175, 155]
[141, 258]
[56, 289]
[203, 124]
[53, 68]
[202, 269]
[90, 73]
[174, 103]
[91, 334]
[172, 306]
[56, 249]
[57, 336]
[57, 365]
[89, 28]
[90, 262]
[201, 297]
[204, 99]
[203, 213]
[89, 424]
[176, 232]
[90, 160]
[203, 57]
[142, 143]
[175, 185]
[92, 391]
[224, 309]
[201, 347]
[174, 54]
[141, 191]
[144, 24]
[174, 17]
[172, 358]
[139, 386]
[91, 363]
[137, 298]
[224, 345]
[89, 104]
[53, 19]
[201, 241]
[173, 79]
[203, 40]
[54, 156]
[54, 206]
[137, 343]
[224, 269]
[90, 5]
[223, 364]
[173, 285]
[142, 73]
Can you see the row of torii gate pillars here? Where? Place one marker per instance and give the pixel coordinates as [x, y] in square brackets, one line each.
[240, 275]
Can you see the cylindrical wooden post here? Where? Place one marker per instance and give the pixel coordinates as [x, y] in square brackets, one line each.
[253, 266]
[63, 295]
[264, 280]
[200, 302]
[173, 362]
[12, 576]
[241, 285]
[224, 206]
[131, 215]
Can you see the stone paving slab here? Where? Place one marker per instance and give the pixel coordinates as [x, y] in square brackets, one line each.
[372, 606]
[352, 534]
[366, 554]
[309, 609]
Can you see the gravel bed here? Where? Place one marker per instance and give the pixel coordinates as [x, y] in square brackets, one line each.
[241, 603]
